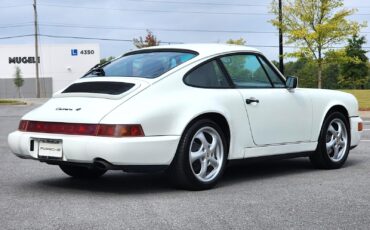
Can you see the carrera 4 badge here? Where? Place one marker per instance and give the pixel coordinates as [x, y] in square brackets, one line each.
[67, 109]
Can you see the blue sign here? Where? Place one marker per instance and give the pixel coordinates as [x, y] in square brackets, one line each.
[74, 52]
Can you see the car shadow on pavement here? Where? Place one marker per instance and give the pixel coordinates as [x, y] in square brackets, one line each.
[247, 170]
[250, 170]
[140, 183]
[114, 182]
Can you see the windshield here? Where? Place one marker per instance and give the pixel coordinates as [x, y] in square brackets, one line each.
[146, 65]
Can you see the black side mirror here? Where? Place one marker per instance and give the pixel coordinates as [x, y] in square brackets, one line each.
[291, 82]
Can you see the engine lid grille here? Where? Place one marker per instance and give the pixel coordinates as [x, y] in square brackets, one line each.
[100, 87]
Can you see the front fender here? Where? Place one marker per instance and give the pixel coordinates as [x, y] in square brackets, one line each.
[324, 100]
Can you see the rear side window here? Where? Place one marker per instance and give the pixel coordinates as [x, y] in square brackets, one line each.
[208, 75]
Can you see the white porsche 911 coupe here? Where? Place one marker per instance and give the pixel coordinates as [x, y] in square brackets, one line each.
[186, 109]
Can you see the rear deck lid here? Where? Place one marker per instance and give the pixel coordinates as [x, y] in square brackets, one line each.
[87, 100]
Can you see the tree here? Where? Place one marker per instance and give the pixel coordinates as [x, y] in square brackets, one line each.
[367, 86]
[331, 75]
[239, 41]
[105, 60]
[18, 80]
[304, 69]
[150, 40]
[315, 26]
[355, 70]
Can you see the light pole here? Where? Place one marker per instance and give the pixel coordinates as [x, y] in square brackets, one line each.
[36, 52]
[281, 51]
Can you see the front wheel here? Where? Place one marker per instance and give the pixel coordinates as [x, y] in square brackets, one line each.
[201, 156]
[81, 172]
[334, 143]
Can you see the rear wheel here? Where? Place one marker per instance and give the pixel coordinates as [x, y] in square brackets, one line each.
[201, 156]
[334, 142]
[81, 172]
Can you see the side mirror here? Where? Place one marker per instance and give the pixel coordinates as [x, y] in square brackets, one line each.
[291, 82]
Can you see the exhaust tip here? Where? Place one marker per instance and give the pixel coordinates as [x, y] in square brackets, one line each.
[102, 164]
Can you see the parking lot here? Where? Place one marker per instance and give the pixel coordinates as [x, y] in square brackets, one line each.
[275, 194]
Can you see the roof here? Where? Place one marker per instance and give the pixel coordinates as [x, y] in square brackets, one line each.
[207, 49]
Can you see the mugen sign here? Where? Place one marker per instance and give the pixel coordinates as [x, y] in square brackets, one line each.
[24, 60]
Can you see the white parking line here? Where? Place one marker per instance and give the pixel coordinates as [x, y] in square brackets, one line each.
[366, 140]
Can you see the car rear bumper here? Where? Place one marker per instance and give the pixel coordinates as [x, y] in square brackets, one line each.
[154, 150]
[355, 133]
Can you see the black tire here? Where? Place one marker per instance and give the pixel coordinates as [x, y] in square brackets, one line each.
[182, 172]
[82, 172]
[324, 158]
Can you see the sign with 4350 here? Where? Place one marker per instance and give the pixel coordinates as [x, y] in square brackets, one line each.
[87, 52]
[74, 52]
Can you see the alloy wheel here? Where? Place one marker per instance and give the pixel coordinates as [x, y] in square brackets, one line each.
[336, 140]
[206, 154]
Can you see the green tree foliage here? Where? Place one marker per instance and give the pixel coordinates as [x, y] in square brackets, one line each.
[105, 60]
[305, 70]
[18, 80]
[239, 41]
[149, 40]
[355, 70]
[331, 73]
[314, 26]
[367, 86]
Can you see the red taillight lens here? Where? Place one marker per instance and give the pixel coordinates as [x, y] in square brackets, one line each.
[360, 126]
[106, 130]
[82, 129]
[120, 131]
[61, 128]
[23, 125]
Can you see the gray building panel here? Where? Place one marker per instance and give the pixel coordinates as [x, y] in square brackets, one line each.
[28, 90]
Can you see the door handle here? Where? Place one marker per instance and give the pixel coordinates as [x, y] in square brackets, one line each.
[251, 100]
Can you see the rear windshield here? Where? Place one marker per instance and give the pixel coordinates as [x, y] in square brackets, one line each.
[146, 65]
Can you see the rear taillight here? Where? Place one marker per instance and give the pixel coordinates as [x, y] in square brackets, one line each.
[23, 125]
[360, 126]
[120, 131]
[82, 129]
[61, 128]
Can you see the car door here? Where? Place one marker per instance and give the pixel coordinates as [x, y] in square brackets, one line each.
[276, 115]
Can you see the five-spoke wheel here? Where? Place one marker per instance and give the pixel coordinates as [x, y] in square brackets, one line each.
[201, 156]
[206, 154]
[334, 142]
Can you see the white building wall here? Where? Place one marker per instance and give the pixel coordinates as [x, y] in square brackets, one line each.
[56, 62]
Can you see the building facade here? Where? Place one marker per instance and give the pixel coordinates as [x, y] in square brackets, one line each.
[59, 65]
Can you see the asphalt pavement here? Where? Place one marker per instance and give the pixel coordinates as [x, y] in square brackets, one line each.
[288, 194]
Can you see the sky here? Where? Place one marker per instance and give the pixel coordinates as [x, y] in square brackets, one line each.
[193, 21]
